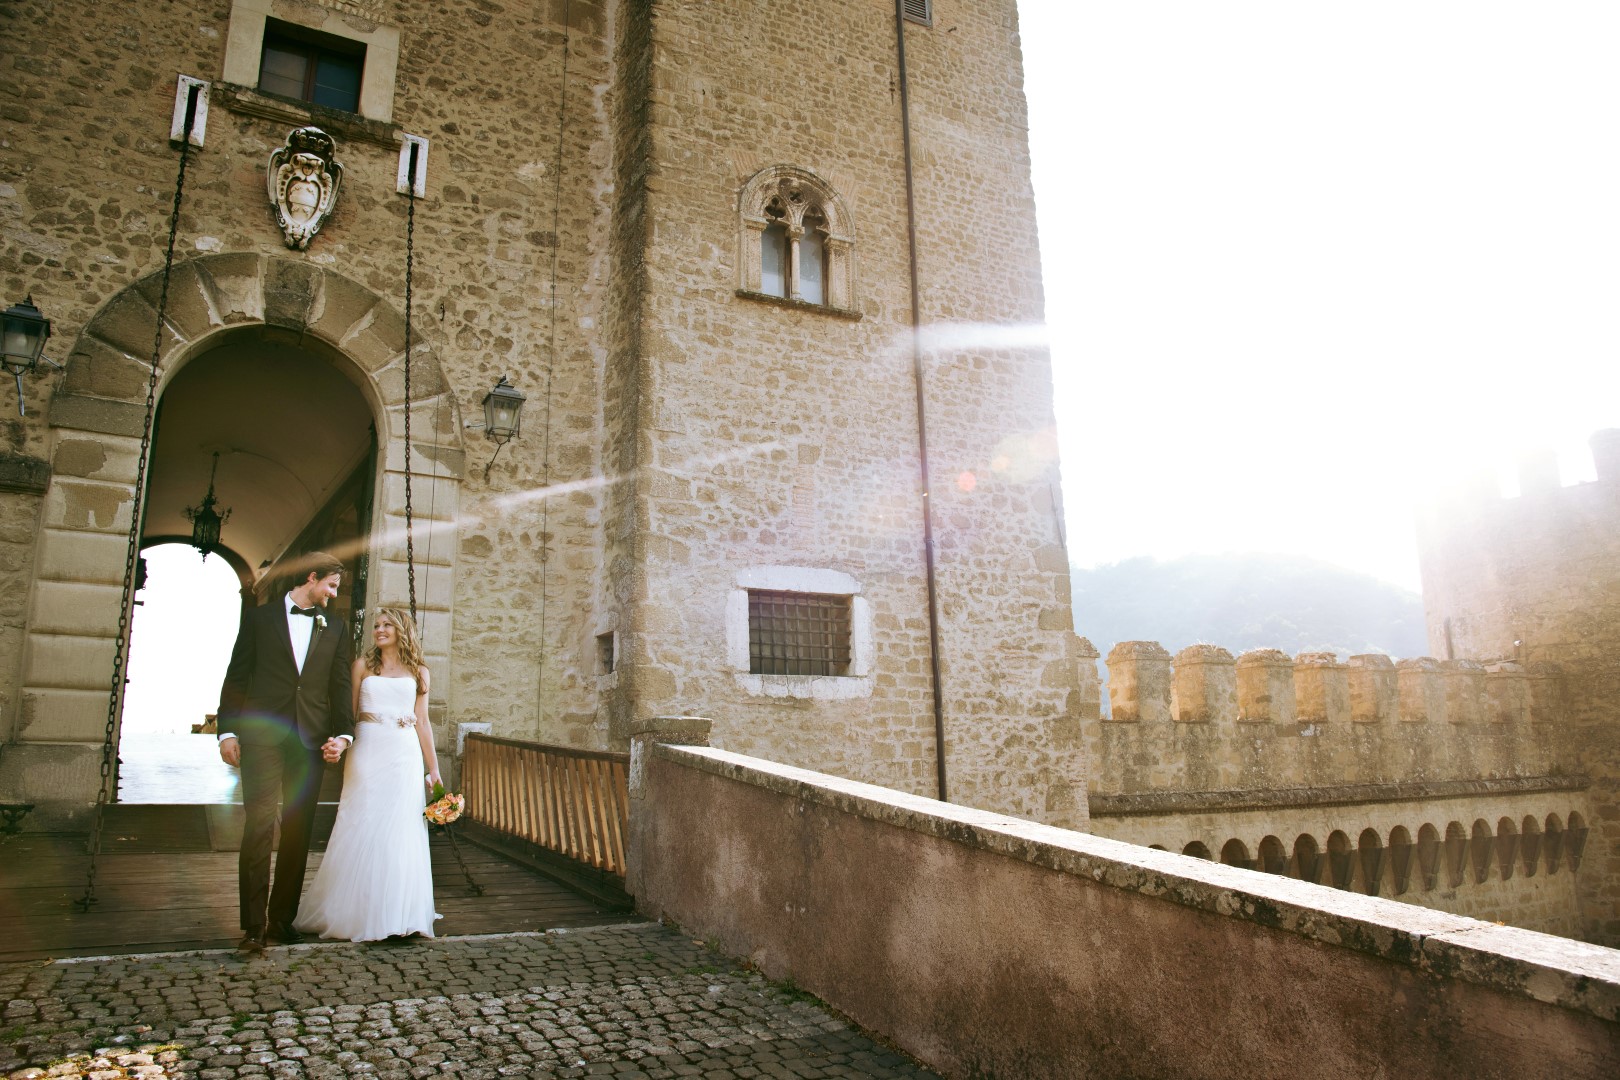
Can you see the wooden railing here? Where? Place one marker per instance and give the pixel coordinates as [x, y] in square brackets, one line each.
[572, 802]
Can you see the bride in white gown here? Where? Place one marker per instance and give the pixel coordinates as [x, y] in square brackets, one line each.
[376, 879]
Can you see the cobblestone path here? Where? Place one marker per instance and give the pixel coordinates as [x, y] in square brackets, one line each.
[629, 1001]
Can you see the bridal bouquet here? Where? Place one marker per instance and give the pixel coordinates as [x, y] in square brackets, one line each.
[443, 807]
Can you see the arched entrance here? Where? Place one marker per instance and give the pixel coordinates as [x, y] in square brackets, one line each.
[288, 443]
[279, 312]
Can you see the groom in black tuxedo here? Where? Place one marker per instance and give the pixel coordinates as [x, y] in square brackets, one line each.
[285, 710]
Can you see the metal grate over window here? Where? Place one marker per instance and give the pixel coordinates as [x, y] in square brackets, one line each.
[797, 633]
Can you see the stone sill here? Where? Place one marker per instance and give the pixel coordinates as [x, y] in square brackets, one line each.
[1147, 803]
[335, 122]
[801, 305]
[1522, 963]
[812, 687]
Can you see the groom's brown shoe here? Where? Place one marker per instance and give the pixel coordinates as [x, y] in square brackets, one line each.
[251, 943]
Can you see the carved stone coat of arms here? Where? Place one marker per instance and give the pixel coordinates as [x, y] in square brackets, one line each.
[303, 180]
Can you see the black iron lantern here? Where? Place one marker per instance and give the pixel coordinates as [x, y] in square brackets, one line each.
[23, 332]
[206, 521]
[503, 416]
[503, 412]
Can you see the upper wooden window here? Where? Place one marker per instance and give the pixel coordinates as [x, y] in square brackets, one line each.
[312, 53]
[308, 65]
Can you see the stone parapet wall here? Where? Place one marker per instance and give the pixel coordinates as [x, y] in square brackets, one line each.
[1101, 958]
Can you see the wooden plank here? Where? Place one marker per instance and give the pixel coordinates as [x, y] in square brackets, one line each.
[599, 833]
[580, 847]
[522, 784]
[553, 836]
[619, 789]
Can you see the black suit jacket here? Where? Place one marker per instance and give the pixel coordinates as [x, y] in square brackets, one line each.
[265, 697]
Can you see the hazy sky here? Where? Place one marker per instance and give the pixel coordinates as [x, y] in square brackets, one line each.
[1305, 263]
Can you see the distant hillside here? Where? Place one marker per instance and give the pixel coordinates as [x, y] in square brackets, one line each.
[1247, 601]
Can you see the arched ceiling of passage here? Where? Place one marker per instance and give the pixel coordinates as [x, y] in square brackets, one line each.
[290, 428]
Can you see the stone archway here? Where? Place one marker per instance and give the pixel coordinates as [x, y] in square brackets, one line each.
[97, 416]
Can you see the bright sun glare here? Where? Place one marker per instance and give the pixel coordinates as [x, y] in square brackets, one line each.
[180, 640]
[1307, 264]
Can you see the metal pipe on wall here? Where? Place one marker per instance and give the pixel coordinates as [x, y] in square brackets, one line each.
[922, 418]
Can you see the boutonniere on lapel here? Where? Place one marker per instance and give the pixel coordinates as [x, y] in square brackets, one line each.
[320, 622]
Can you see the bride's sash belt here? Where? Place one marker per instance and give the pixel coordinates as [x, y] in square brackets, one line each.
[373, 718]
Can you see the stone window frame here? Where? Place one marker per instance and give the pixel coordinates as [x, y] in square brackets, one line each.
[793, 191]
[800, 579]
[244, 48]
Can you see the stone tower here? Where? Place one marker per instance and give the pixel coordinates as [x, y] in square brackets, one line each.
[753, 267]
[1536, 580]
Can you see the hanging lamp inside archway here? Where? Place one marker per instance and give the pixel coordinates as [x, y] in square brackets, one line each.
[206, 520]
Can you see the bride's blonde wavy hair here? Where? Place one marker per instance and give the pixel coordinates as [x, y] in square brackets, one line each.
[406, 641]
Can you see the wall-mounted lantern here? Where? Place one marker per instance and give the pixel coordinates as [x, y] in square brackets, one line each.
[503, 416]
[206, 521]
[22, 341]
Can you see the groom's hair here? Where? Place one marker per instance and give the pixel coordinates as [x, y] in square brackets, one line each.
[318, 563]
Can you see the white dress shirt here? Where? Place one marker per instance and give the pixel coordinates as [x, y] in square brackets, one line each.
[300, 628]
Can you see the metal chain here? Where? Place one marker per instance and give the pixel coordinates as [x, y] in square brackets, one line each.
[410, 261]
[132, 554]
[410, 544]
[455, 848]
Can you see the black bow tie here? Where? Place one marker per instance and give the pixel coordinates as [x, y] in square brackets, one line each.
[296, 610]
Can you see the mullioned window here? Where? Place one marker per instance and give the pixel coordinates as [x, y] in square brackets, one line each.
[797, 240]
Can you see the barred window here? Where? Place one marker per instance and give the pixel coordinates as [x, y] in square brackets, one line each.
[798, 633]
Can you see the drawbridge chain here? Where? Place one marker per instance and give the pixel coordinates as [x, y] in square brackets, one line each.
[121, 641]
[410, 273]
[410, 543]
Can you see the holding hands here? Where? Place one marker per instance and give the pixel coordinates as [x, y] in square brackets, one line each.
[332, 749]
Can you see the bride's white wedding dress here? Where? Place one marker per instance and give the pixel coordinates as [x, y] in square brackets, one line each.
[376, 878]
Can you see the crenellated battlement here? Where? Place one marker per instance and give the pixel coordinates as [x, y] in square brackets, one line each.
[1206, 721]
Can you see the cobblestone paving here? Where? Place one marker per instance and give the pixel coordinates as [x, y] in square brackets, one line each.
[632, 1001]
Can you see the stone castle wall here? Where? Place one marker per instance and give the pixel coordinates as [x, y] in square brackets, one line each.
[1536, 579]
[778, 442]
[84, 207]
[580, 234]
